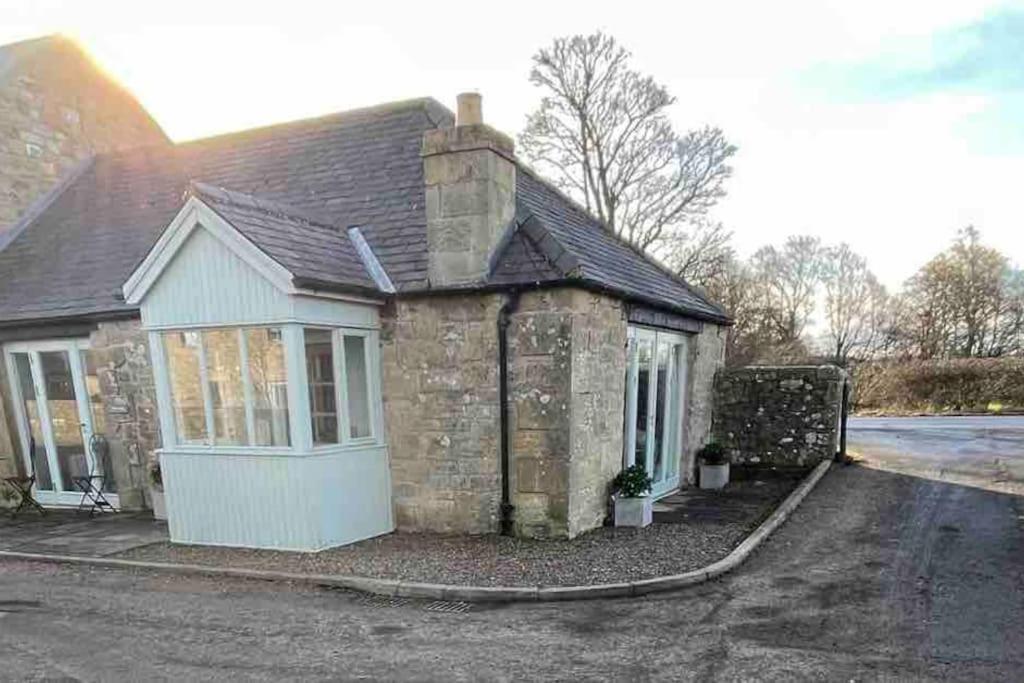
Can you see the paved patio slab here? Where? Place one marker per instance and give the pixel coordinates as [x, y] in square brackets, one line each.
[69, 532]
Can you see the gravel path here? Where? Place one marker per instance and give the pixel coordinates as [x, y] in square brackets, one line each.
[605, 555]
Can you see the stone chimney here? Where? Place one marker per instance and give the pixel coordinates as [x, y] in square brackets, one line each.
[471, 195]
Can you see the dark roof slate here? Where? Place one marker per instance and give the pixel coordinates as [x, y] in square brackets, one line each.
[308, 246]
[360, 168]
[587, 251]
[288, 186]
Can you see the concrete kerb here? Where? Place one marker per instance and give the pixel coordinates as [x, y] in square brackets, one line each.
[432, 591]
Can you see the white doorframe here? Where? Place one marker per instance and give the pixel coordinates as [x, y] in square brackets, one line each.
[667, 477]
[63, 493]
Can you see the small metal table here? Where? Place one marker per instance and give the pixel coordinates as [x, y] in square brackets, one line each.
[91, 487]
[23, 487]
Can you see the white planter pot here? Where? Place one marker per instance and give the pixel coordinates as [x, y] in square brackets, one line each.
[714, 476]
[636, 512]
[159, 506]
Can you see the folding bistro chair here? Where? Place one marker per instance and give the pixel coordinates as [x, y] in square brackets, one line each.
[23, 486]
[91, 485]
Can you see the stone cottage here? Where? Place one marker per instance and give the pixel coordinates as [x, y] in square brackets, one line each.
[329, 329]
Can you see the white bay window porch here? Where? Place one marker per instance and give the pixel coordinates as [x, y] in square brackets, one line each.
[268, 395]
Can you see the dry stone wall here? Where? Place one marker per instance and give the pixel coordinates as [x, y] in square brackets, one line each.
[779, 416]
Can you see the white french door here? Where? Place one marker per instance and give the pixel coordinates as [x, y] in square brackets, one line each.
[656, 373]
[58, 408]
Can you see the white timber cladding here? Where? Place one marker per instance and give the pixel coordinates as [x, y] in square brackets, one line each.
[207, 288]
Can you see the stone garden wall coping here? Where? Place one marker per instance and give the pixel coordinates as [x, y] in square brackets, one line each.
[411, 589]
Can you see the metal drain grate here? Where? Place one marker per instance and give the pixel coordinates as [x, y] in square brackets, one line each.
[370, 600]
[391, 602]
[448, 606]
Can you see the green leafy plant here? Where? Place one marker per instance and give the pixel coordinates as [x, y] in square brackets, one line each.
[632, 482]
[156, 476]
[713, 453]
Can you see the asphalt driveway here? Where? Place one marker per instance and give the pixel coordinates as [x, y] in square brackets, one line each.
[985, 450]
[890, 570]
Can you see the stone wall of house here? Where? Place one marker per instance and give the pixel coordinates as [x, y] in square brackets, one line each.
[779, 416]
[567, 375]
[57, 108]
[567, 369]
[598, 393]
[440, 389]
[707, 355]
[439, 364]
[120, 352]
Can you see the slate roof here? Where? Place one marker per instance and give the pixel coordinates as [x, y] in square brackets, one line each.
[287, 187]
[598, 257]
[310, 247]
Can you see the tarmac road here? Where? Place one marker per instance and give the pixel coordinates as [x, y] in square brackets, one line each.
[889, 570]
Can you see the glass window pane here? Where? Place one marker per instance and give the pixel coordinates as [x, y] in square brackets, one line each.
[320, 371]
[40, 465]
[358, 389]
[64, 417]
[182, 349]
[99, 418]
[661, 399]
[224, 373]
[269, 380]
[643, 372]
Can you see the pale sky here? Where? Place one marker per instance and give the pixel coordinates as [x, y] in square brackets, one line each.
[887, 125]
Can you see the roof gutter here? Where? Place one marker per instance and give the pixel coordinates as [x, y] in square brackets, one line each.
[581, 283]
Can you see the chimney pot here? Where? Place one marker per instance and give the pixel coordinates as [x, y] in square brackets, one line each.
[470, 109]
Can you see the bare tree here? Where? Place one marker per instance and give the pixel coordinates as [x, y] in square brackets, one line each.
[702, 254]
[603, 133]
[787, 281]
[855, 303]
[965, 302]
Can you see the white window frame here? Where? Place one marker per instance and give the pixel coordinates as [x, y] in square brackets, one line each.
[62, 493]
[676, 406]
[299, 417]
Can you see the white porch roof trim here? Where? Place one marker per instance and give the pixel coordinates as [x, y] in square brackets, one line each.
[370, 262]
[193, 214]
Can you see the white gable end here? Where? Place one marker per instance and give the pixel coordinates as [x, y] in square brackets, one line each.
[206, 283]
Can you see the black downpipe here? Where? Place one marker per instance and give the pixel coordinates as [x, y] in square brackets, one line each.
[507, 509]
[845, 408]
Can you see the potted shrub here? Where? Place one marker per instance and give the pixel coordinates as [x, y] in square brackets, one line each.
[156, 491]
[714, 466]
[633, 505]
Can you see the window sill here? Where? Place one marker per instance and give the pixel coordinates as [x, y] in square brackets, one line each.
[256, 451]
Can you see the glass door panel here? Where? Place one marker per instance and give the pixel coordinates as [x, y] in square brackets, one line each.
[38, 464]
[656, 456]
[643, 378]
[654, 406]
[65, 420]
[99, 419]
[59, 407]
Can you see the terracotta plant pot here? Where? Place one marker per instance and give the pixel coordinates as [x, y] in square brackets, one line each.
[635, 512]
